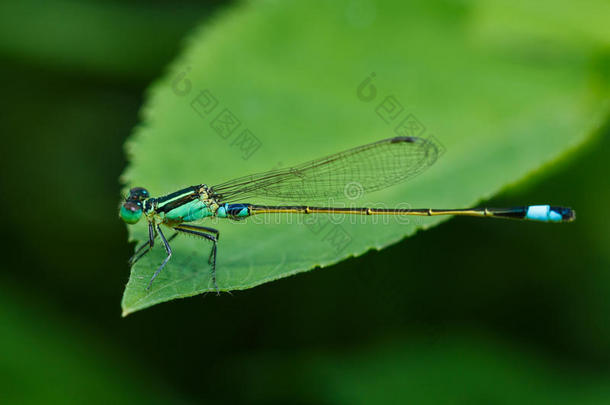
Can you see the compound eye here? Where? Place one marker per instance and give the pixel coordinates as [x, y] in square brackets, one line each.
[131, 212]
[138, 193]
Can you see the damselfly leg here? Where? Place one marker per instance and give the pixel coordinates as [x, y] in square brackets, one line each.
[145, 248]
[152, 234]
[168, 251]
[210, 234]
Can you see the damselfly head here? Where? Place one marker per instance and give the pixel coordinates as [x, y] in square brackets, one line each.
[131, 211]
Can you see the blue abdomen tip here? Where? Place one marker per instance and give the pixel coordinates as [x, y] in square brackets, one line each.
[538, 212]
[546, 213]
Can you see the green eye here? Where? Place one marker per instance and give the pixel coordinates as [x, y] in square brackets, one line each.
[130, 212]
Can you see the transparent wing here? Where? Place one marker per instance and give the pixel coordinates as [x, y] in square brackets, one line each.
[360, 170]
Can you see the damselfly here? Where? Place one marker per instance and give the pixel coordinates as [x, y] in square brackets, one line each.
[371, 167]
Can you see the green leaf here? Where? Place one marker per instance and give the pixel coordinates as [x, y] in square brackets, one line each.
[294, 75]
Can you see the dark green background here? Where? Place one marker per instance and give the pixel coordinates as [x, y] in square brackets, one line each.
[468, 312]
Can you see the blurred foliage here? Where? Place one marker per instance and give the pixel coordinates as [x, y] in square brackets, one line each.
[301, 94]
[488, 311]
[45, 362]
[126, 41]
[426, 371]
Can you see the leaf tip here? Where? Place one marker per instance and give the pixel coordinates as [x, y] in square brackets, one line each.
[126, 311]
